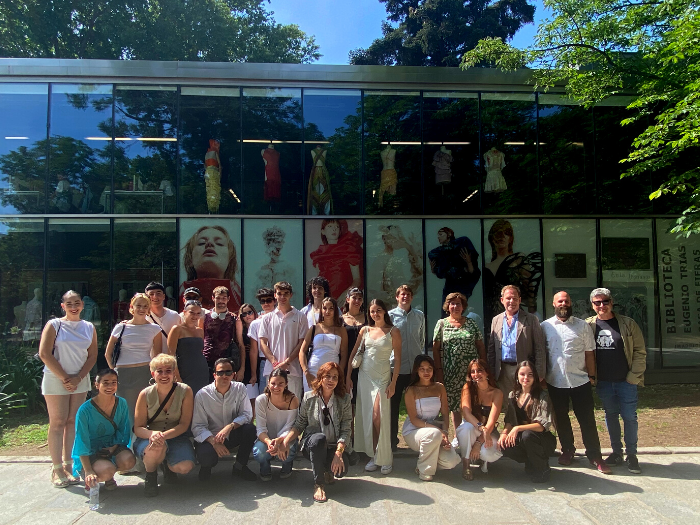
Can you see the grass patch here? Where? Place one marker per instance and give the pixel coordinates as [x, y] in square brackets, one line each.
[25, 430]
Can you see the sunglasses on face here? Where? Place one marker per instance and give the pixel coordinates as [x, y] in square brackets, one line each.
[226, 373]
[244, 314]
[267, 300]
[326, 416]
[604, 301]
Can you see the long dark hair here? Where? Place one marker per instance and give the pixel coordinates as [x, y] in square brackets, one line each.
[353, 291]
[337, 317]
[473, 387]
[278, 372]
[535, 391]
[380, 304]
[419, 360]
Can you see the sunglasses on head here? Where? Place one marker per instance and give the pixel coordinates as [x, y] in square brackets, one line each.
[604, 301]
[227, 373]
[266, 300]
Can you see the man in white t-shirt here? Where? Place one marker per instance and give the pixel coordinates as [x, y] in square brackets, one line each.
[164, 317]
[266, 298]
[280, 336]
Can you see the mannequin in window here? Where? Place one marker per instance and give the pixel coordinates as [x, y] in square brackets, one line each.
[389, 177]
[32, 328]
[442, 160]
[91, 311]
[272, 190]
[172, 302]
[495, 162]
[320, 201]
[212, 176]
[62, 197]
[20, 312]
[120, 308]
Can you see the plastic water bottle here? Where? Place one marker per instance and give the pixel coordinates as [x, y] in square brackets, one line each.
[95, 497]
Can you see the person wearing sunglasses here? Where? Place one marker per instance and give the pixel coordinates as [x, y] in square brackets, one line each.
[222, 420]
[266, 298]
[621, 360]
[246, 315]
[324, 424]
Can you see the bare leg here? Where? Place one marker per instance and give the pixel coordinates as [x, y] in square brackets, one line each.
[104, 469]
[125, 461]
[153, 456]
[456, 418]
[183, 467]
[58, 408]
[75, 400]
[376, 423]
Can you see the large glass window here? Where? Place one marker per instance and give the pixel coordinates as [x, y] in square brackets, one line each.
[613, 142]
[626, 258]
[332, 123]
[21, 280]
[80, 159]
[679, 291]
[451, 153]
[570, 263]
[78, 259]
[566, 154]
[23, 147]
[210, 150]
[272, 152]
[392, 153]
[145, 149]
[509, 153]
[144, 251]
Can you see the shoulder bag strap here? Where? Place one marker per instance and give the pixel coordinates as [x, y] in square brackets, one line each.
[159, 325]
[162, 406]
[53, 350]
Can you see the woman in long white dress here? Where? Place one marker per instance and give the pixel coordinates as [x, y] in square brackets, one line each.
[376, 386]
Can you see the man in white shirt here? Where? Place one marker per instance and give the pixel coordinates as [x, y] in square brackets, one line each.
[222, 420]
[266, 298]
[570, 373]
[280, 336]
[164, 317]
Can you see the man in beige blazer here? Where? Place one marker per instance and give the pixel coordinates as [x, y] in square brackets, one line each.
[515, 336]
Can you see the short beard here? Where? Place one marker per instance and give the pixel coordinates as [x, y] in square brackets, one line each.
[563, 312]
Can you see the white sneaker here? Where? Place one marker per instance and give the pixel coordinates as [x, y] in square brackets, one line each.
[386, 469]
[485, 467]
[371, 466]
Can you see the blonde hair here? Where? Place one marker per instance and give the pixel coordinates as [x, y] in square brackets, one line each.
[162, 360]
[229, 273]
[135, 298]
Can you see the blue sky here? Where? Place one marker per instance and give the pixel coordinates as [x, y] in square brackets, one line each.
[342, 25]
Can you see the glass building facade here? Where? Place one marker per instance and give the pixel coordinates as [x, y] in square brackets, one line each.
[113, 174]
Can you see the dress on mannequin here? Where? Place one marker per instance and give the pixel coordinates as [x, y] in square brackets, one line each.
[442, 160]
[120, 308]
[32, 329]
[91, 311]
[389, 177]
[319, 201]
[272, 191]
[495, 162]
[212, 176]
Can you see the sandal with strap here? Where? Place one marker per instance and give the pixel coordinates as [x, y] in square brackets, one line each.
[58, 477]
[68, 471]
[468, 474]
[321, 499]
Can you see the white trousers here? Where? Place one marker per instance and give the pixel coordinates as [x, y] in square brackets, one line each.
[431, 456]
[467, 434]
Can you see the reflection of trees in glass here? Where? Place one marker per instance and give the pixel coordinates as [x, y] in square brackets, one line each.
[24, 169]
[512, 121]
[393, 118]
[565, 154]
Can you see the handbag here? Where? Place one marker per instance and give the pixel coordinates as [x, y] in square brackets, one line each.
[53, 350]
[310, 349]
[357, 360]
[118, 347]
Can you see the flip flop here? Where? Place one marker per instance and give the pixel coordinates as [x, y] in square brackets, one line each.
[324, 498]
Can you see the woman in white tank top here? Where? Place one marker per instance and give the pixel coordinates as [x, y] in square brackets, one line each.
[68, 349]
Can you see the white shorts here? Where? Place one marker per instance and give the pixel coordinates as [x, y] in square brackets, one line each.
[51, 385]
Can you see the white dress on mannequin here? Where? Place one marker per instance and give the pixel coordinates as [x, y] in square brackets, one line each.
[495, 162]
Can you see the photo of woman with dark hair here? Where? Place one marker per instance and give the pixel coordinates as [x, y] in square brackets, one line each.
[457, 261]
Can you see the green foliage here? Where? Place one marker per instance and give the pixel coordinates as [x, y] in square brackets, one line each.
[8, 401]
[21, 376]
[650, 49]
[206, 30]
[438, 32]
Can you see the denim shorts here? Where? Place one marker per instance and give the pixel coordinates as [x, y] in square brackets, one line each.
[178, 449]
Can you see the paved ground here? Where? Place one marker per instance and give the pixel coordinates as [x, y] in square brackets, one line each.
[667, 492]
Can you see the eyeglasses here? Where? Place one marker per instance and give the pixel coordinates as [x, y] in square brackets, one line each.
[326, 416]
[226, 373]
[249, 312]
[604, 301]
[267, 300]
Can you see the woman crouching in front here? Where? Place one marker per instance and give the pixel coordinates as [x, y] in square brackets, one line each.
[324, 420]
[103, 434]
[163, 415]
[425, 399]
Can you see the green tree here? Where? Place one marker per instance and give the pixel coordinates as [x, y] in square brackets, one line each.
[202, 30]
[647, 49]
[438, 32]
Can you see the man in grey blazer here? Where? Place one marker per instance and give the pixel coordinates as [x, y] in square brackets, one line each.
[515, 336]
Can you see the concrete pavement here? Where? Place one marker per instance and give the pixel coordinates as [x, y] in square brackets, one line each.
[668, 491]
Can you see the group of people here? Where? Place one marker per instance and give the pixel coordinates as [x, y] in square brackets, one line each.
[327, 383]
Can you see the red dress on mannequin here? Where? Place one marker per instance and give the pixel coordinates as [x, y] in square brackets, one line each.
[272, 191]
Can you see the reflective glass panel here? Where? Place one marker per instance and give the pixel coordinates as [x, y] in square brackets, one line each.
[145, 149]
[332, 123]
[23, 147]
[272, 151]
[392, 153]
[210, 150]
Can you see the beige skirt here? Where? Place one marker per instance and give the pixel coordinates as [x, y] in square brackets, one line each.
[51, 385]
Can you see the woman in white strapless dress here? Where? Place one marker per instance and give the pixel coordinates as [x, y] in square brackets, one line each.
[376, 386]
[330, 342]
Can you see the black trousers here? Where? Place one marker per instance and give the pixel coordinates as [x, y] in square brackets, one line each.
[242, 437]
[581, 398]
[315, 448]
[533, 449]
[401, 385]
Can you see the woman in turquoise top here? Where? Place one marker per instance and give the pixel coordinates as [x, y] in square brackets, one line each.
[103, 434]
